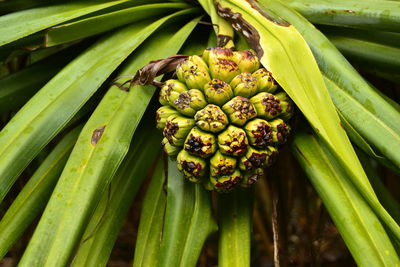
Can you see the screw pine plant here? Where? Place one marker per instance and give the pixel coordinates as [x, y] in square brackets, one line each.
[79, 137]
[220, 119]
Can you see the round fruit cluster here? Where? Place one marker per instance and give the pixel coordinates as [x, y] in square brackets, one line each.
[221, 118]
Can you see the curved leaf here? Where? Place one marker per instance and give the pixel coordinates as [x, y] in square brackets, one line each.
[147, 249]
[188, 220]
[100, 149]
[20, 24]
[360, 228]
[104, 226]
[291, 62]
[35, 124]
[367, 14]
[96, 24]
[36, 192]
[235, 212]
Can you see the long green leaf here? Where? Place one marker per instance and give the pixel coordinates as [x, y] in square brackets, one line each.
[17, 88]
[360, 228]
[188, 220]
[148, 245]
[104, 22]
[235, 212]
[387, 199]
[12, 6]
[357, 139]
[374, 36]
[35, 124]
[353, 88]
[102, 231]
[366, 53]
[35, 194]
[95, 251]
[368, 125]
[20, 24]
[100, 149]
[367, 14]
[306, 87]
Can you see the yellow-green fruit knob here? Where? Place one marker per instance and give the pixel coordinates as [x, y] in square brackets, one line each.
[239, 110]
[211, 55]
[244, 85]
[246, 61]
[169, 149]
[259, 133]
[265, 81]
[162, 115]
[224, 69]
[211, 119]
[217, 92]
[192, 167]
[200, 143]
[254, 159]
[280, 131]
[189, 102]
[267, 105]
[226, 183]
[173, 87]
[286, 105]
[222, 164]
[233, 141]
[193, 73]
[177, 128]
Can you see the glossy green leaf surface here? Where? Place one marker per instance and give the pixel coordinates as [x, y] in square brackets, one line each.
[35, 124]
[17, 88]
[235, 212]
[104, 226]
[360, 228]
[104, 22]
[188, 220]
[100, 149]
[95, 250]
[367, 14]
[148, 244]
[313, 99]
[384, 195]
[20, 24]
[33, 197]
[367, 53]
[351, 86]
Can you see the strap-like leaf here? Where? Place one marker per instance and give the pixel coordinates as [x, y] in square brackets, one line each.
[104, 226]
[235, 212]
[188, 220]
[360, 228]
[366, 14]
[20, 24]
[104, 22]
[151, 220]
[19, 87]
[36, 192]
[286, 54]
[100, 149]
[35, 124]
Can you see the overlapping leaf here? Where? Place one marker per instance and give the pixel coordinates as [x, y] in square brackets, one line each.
[20, 24]
[360, 228]
[235, 226]
[35, 194]
[188, 220]
[102, 145]
[286, 54]
[366, 14]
